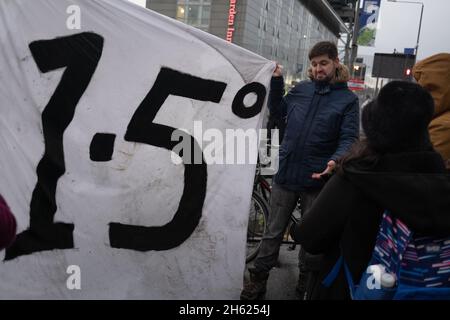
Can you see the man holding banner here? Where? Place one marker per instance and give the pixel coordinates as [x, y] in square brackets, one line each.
[322, 122]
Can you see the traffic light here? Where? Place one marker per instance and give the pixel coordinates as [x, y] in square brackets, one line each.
[356, 71]
[359, 71]
[408, 74]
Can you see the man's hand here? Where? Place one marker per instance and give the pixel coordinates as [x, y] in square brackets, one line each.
[278, 71]
[329, 169]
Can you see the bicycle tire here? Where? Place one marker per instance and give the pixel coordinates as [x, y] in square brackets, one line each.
[257, 222]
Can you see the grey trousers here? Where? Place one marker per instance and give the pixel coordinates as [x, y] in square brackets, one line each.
[282, 204]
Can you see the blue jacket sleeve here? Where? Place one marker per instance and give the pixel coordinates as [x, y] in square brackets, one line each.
[349, 131]
[277, 104]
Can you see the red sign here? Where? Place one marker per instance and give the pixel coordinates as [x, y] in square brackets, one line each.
[231, 15]
[356, 84]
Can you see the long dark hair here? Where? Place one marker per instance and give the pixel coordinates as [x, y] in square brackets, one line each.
[359, 152]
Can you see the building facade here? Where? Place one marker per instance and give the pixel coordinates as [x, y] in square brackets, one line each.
[279, 30]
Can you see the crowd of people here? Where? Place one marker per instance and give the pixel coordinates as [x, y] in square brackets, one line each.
[401, 165]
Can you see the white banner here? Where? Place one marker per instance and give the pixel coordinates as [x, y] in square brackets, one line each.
[91, 94]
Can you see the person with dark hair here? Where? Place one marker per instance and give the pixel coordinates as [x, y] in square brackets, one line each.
[322, 122]
[396, 169]
[7, 225]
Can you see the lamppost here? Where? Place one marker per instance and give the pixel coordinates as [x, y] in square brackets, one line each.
[420, 23]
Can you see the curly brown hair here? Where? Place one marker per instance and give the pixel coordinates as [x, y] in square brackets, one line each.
[324, 47]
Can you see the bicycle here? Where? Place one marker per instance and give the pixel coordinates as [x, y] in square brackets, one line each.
[259, 213]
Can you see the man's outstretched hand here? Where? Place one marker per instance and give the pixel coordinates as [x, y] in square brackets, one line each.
[328, 171]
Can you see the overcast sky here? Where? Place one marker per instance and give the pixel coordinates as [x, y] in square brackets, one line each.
[139, 2]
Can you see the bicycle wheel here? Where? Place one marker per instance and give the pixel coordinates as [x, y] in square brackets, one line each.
[257, 219]
[262, 187]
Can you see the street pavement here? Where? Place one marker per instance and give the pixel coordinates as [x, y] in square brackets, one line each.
[283, 278]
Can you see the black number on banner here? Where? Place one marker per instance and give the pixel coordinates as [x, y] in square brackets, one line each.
[239, 107]
[80, 55]
[142, 129]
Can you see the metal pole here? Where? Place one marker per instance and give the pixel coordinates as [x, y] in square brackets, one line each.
[355, 35]
[347, 49]
[418, 34]
[376, 87]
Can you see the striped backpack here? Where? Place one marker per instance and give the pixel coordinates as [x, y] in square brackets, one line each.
[419, 265]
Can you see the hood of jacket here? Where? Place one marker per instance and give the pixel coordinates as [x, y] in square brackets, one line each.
[342, 74]
[413, 186]
[433, 73]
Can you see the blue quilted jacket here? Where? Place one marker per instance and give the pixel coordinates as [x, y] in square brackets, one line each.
[322, 122]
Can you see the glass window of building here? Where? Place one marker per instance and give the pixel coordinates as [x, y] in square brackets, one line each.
[194, 12]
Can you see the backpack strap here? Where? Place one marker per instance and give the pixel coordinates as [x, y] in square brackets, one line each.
[329, 279]
[351, 284]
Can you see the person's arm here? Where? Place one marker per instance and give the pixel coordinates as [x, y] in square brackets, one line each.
[7, 225]
[277, 104]
[349, 132]
[321, 226]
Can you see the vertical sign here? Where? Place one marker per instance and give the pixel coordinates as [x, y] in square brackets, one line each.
[231, 20]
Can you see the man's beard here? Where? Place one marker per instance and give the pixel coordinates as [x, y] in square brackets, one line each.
[328, 77]
[325, 80]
